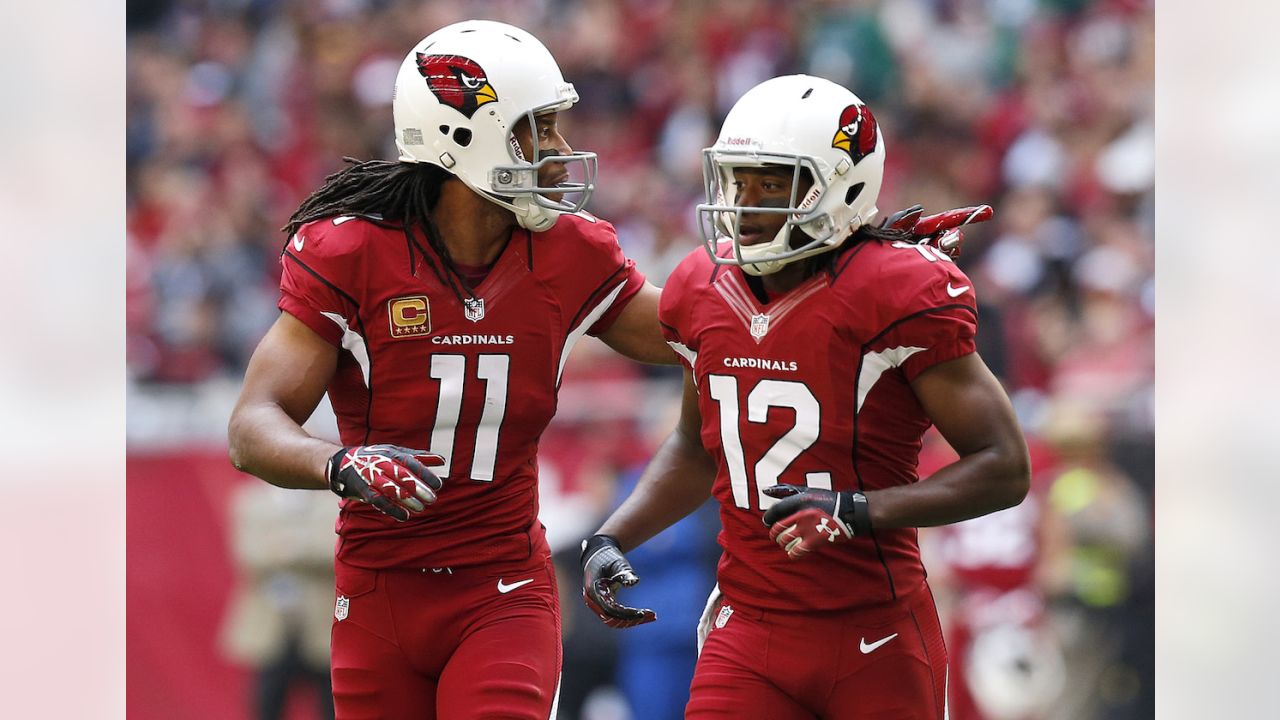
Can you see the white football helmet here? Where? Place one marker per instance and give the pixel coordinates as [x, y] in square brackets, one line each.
[809, 124]
[458, 97]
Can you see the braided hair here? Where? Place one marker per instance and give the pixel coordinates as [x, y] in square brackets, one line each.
[826, 262]
[389, 194]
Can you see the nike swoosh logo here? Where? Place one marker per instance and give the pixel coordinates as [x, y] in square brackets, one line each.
[865, 648]
[504, 588]
[339, 220]
[297, 242]
[956, 291]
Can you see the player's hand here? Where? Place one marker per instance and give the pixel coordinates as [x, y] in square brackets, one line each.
[941, 230]
[806, 518]
[393, 479]
[605, 571]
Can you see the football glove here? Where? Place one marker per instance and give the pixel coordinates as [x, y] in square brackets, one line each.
[806, 517]
[605, 571]
[393, 479]
[941, 230]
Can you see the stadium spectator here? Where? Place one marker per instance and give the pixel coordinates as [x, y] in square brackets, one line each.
[278, 621]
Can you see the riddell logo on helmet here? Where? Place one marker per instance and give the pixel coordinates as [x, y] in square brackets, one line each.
[737, 141]
[457, 82]
[856, 133]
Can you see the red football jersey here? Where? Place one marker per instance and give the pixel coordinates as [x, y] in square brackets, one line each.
[475, 382]
[813, 388]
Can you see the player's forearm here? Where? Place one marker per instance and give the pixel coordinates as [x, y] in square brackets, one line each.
[980, 483]
[264, 441]
[676, 482]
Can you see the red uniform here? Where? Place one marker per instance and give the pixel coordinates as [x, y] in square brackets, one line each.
[1006, 660]
[813, 388]
[475, 382]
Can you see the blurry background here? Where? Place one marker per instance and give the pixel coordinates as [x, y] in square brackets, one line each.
[236, 109]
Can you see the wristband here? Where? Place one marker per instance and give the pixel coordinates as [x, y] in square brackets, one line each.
[855, 513]
[333, 468]
[595, 542]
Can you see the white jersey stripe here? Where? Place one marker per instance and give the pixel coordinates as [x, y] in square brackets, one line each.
[734, 304]
[874, 364]
[576, 334]
[737, 287]
[353, 343]
[685, 353]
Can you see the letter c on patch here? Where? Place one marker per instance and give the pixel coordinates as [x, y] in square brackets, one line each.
[409, 316]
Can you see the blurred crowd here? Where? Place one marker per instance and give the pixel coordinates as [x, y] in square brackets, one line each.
[237, 109]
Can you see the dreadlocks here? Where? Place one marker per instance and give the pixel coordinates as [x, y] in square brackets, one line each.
[390, 194]
[882, 233]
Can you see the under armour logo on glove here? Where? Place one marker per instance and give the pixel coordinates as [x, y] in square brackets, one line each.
[393, 479]
[806, 518]
[832, 532]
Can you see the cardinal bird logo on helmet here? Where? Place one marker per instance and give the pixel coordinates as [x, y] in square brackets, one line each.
[857, 132]
[457, 82]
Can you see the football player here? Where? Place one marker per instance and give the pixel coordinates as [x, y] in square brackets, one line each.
[817, 348]
[436, 299]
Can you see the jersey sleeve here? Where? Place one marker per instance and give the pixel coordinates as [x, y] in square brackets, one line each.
[632, 282]
[674, 309]
[611, 277]
[932, 314]
[941, 335]
[315, 267]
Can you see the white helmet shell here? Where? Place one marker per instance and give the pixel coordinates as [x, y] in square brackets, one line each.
[807, 123]
[458, 97]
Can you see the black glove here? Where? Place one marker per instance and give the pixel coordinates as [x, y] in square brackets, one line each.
[393, 479]
[604, 572]
[807, 517]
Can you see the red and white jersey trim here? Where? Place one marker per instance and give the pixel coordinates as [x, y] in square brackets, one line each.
[576, 334]
[353, 343]
[874, 364]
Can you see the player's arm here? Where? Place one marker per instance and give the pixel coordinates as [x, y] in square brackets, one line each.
[972, 412]
[970, 409]
[283, 384]
[286, 377]
[636, 332]
[676, 482]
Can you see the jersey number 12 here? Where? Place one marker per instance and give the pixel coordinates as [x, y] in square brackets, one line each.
[766, 394]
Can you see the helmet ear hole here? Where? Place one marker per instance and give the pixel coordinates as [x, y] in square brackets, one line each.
[462, 136]
[444, 129]
[852, 194]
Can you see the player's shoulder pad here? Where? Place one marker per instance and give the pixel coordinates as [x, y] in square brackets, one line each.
[903, 277]
[691, 276]
[322, 241]
[695, 266]
[583, 227]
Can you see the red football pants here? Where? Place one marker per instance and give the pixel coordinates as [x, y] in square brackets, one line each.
[481, 642]
[834, 666]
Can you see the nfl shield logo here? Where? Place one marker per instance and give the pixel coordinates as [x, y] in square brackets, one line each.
[759, 325]
[723, 617]
[473, 309]
[342, 608]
